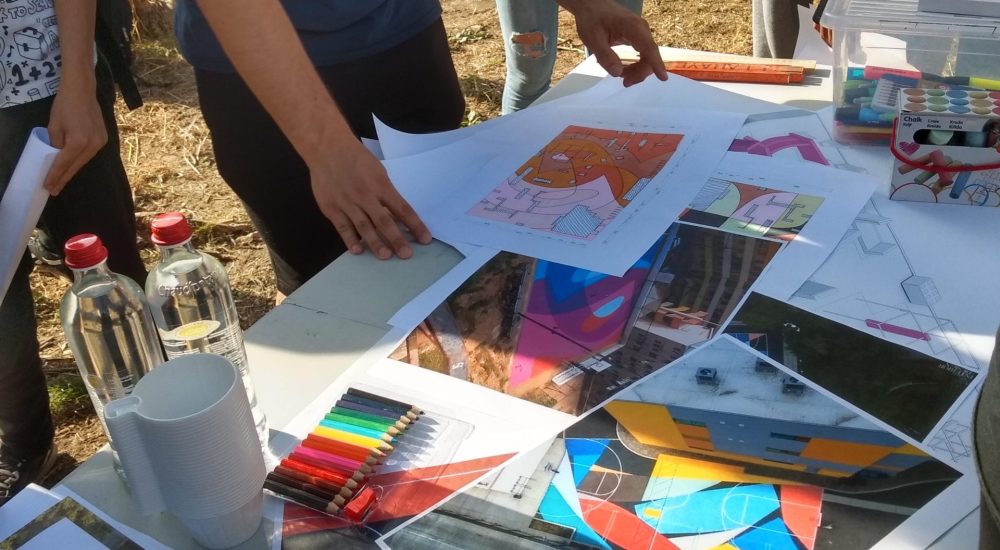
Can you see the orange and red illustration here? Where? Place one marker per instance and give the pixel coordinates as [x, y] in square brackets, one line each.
[580, 181]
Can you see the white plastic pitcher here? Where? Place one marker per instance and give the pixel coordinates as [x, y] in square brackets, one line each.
[187, 442]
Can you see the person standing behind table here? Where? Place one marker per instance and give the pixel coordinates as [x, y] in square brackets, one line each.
[308, 77]
[530, 30]
[48, 78]
[776, 27]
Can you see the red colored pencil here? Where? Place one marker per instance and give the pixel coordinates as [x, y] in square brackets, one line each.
[327, 466]
[351, 482]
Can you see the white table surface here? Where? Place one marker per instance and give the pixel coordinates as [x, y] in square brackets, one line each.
[302, 346]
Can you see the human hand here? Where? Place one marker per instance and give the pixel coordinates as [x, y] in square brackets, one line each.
[602, 24]
[353, 191]
[76, 128]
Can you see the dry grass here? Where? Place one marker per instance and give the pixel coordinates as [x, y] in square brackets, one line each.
[168, 154]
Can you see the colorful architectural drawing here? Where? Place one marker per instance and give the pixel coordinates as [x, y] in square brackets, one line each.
[568, 338]
[580, 181]
[678, 464]
[751, 210]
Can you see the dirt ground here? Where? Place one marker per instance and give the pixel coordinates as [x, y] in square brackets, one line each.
[168, 154]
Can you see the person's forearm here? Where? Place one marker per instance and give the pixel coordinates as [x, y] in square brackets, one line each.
[261, 43]
[76, 20]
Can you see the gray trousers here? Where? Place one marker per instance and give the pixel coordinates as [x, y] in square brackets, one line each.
[776, 27]
[97, 200]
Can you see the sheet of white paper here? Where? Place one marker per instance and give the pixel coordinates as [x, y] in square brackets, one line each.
[795, 135]
[936, 518]
[613, 227]
[23, 202]
[901, 273]
[63, 534]
[414, 312]
[810, 45]
[962, 536]
[841, 196]
[24, 507]
[374, 147]
[398, 144]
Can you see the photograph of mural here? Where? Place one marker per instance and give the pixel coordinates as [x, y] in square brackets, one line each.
[904, 388]
[569, 339]
[717, 450]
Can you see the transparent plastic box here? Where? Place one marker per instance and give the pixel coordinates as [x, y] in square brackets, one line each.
[883, 46]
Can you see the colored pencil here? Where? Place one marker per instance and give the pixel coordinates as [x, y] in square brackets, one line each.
[348, 405]
[325, 465]
[346, 481]
[335, 461]
[355, 439]
[307, 487]
[378, 405]
[335, 447]
[361, 423]
[398, 424]
[354, 429]
[382, 399]
[313, 480]
[301, 497]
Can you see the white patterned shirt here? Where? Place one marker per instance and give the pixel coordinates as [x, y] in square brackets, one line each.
[29, 51]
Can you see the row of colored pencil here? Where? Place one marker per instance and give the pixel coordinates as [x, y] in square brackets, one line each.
[329, 469]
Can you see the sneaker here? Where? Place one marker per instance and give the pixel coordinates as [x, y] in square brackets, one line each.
[17, 473]
[47, 260]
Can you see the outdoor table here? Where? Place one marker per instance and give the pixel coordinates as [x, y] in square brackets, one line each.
[302, 346]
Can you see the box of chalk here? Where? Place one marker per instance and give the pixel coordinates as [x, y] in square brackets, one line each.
[947, 147]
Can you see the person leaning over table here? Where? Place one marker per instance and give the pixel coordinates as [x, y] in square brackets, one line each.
[308, 77]
[50, 79]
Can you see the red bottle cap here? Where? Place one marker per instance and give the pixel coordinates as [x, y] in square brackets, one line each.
[170, 228]
[84, 251]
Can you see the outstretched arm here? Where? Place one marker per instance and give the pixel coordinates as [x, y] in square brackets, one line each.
[76, 125]
[350, 185]
[604, 23]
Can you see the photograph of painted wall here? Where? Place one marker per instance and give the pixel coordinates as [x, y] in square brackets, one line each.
[904, 388]
[569, 339]
[717, 450]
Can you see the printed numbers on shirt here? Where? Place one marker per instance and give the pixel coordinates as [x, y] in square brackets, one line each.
[18, 75]
[34, 73]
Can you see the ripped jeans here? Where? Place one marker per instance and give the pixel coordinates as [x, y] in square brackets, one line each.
[530, 31]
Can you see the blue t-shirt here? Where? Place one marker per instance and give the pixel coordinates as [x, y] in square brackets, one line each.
[332, 31]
